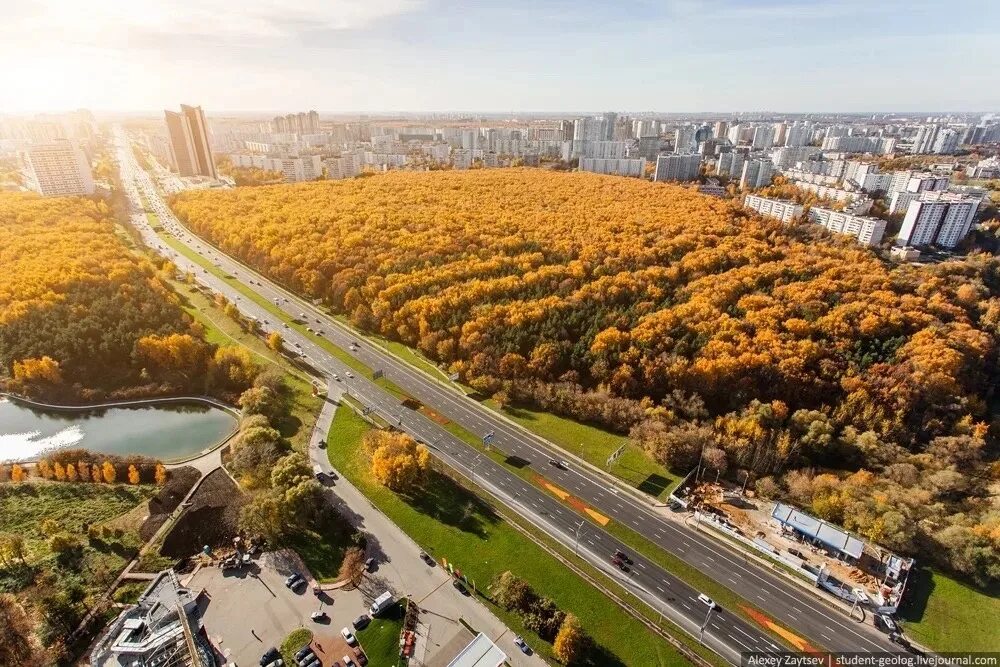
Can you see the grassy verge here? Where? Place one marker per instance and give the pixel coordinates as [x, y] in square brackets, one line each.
[380, 640]
[594, 444]
[453, 523]
[295, 640]
[948, 615]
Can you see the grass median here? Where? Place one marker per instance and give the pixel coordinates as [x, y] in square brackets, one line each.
[450, 522]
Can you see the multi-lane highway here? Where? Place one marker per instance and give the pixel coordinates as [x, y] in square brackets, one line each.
[724, 630]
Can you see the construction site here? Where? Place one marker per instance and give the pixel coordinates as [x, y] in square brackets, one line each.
[845, 565]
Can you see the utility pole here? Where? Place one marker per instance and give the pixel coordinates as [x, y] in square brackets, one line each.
[577, 542]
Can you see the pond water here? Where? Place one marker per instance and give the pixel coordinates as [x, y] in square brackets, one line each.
[167, 431]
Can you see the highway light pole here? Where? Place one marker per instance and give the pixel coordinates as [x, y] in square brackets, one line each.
[577, 542]
[701, 634]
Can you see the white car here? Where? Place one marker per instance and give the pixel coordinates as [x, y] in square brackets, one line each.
[707, 600]
[348, 636]
[861, 596]
[350, 374]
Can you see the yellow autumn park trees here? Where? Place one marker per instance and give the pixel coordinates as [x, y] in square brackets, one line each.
[397, 461]
[649, 308]
[83, 317]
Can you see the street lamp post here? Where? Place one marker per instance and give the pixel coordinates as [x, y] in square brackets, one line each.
[701, 634]
[577, 542]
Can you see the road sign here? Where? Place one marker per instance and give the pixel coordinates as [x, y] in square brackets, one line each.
[377, 373]
[488, 438]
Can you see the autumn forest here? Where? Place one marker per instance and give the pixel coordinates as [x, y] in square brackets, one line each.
[861, 390]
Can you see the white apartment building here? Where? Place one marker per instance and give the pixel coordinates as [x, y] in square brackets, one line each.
[57, 169]
[756, 174]
[788, 156]
[606, 150]
[730, 163]
[798, 135]
[677, 167]
[763, 137]
[294, 169]
[946, 142]
[827, 192]
[867, 230]
[684, 140]
[345, 166]
[780, 209]
[614, 166]
[939, 218]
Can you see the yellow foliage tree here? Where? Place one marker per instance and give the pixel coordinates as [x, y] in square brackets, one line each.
[571, 642]
[17, 473]
[44, 469]
[161, 474]
[59, 471]
[83, 470]
[95, 473]
[70, 472]
[275, 341]
[133, 475]
[397, 460]
[108, 472]
[45, 369]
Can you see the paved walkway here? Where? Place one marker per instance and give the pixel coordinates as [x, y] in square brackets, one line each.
[400, 567]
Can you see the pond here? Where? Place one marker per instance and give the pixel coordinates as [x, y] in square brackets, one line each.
[167, 431]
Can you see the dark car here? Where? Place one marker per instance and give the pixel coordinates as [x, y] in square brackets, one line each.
[303, 654]
[361, 622]
[623, 556]
[460, 587]
[270, 656]
[295, 581]
[797, 553]
[426, 558]
[523, 645]
[619, 563]
[370, 564]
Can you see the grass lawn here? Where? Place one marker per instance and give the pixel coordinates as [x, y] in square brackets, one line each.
[949, 615]
[71, 505]
[453, 523]
[380, 640]
[322, 549]
[594, 444]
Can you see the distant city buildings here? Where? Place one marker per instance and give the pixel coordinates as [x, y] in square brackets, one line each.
[730, 164]
[614, 166]
[190, 152]
[294, 169]
[867, 230]
[297, 123]
[779, 209]
[57, 168]
[677, 167]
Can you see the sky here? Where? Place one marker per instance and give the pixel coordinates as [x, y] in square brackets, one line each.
[505, 55]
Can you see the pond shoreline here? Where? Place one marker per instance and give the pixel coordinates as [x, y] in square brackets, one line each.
[135, 403]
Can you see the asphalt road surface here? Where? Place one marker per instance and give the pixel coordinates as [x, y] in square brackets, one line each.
[724, 631]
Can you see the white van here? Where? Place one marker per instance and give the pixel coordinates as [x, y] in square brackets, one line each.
[380, 604]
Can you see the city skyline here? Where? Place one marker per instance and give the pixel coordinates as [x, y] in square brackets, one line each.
[425, 56]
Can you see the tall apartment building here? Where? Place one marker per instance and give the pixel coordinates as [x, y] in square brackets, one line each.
[614, 166]
[867, 230]
[720, 129]
[189, 146]
[730, 163]
[684, 140]
[756, 174]
[780, 209]
[677, 167]
[59, 168]
[946, 142]
[297, 123]
[939, 218]
[798, 135]
[763, 137]
[924, 140]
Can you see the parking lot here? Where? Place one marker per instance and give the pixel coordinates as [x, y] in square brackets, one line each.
[247, 612]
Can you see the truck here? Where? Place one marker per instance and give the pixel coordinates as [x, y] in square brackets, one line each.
[381, 603]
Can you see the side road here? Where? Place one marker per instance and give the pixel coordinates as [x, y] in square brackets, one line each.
[400, 564]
